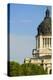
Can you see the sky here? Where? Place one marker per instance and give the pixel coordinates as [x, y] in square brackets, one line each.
[24, 20]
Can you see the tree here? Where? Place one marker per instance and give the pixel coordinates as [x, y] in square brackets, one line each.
[14, 68]
[26, 69]
[32, 69]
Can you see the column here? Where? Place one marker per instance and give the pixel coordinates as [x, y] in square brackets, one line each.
[41, 42]
[49, 42]
[36, 42]
[44, 42]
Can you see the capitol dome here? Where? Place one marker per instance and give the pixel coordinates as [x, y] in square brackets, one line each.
[45, 27]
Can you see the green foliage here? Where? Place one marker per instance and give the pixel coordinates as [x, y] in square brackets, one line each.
[32, 69]
[15, 69]
[26, 69]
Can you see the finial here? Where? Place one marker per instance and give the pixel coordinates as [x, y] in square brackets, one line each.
[47, 12]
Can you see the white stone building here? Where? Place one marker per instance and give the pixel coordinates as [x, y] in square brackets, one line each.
[43, 52]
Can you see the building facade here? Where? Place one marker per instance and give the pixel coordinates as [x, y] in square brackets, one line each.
[43, 52]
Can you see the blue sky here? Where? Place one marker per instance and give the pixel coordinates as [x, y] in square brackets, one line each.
[24, 20]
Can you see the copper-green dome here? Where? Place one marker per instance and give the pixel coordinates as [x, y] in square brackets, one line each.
[45, 27]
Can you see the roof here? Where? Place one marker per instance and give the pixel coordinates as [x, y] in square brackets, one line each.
[45, 26]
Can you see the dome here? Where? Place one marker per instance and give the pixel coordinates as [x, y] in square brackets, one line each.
[45, 27]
